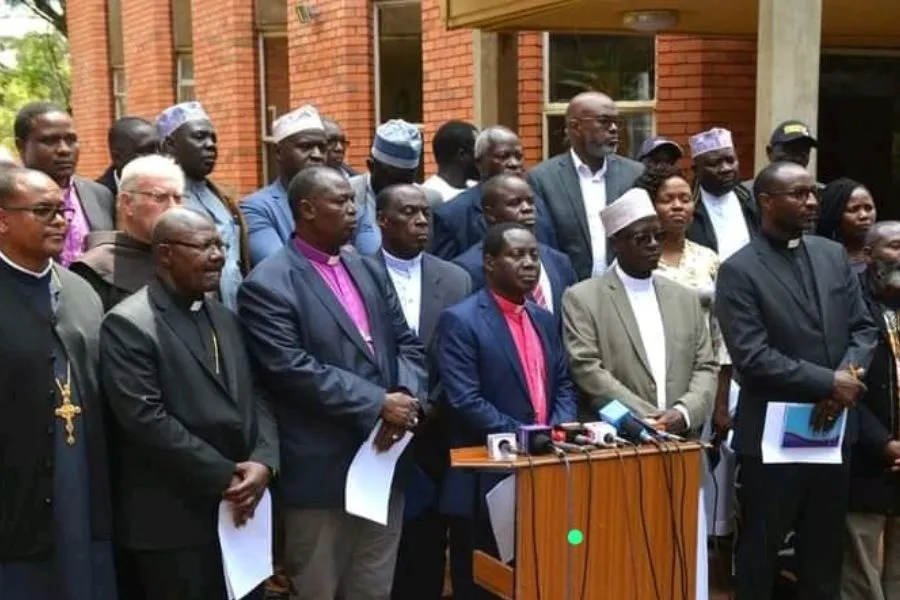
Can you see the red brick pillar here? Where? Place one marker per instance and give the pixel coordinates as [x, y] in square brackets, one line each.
[707, 82]
[531, 96]
[225, 72]
[149, 58]
[332, 67]
[92, 102]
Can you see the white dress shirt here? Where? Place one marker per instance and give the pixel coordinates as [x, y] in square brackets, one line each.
[406, 275]
[447, 191]
[728, 222]
[645, 306]
[593, 194]
[546, 288]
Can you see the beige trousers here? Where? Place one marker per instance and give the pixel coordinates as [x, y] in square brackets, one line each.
[866, 575]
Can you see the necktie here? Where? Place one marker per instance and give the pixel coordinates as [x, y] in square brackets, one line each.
[538, 295]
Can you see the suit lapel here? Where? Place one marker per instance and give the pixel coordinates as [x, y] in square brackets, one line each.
[496, 323]
[569, 180]
[65, 331]
[703, 223]
[776, 266]
[670, 315]
[92, 210]
[431, 297]
[626, 316]
[819, 268]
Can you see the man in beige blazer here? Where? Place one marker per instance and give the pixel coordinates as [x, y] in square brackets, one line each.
[638, 338]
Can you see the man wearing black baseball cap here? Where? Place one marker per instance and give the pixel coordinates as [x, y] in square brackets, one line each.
[791, 142]
[657, 150]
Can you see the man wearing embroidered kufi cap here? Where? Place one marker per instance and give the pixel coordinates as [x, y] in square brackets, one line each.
[725, 217]
[299, 141]
[187, 135]
[394, 159]
[640, 338]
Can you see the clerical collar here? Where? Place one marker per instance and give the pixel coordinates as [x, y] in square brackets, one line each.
[314, 254]
[508, 307]
[20, 269]
[403, 265]
[633, 283]
[780, 244]
[187, 304]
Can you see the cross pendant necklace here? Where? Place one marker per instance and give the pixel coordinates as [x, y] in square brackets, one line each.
[67, 411]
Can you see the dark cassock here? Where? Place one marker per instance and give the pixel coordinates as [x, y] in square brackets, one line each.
[116, 265]
[55, 525]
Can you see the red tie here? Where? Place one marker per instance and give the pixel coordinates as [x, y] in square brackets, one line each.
[538, 295]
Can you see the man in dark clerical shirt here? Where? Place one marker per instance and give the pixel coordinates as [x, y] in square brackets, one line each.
[128, 138]
[193, 430]
[54, 495]
[119, 263]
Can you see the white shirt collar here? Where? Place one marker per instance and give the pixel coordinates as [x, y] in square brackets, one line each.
[633, 284]
[585, 171]
[35, 274]
[709, 197]
[403, 265]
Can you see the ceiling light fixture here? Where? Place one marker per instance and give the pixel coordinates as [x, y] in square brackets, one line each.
[650, 21]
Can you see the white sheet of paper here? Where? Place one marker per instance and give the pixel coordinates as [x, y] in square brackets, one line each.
[246, 550]
[501, 505]
[773, 433]
[368, 488]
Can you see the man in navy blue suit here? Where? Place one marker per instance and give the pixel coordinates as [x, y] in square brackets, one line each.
[508, 199]
[502, 365]
[459, 223]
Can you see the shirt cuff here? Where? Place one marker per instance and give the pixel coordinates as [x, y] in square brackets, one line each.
[684, 413]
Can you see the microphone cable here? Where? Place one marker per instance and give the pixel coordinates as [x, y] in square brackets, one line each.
[587, 529]
[570, 521]
[534, 545]
[679, 539]
[637, 456]
[628, 515]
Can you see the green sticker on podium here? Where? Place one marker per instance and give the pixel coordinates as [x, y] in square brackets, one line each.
[575, 537]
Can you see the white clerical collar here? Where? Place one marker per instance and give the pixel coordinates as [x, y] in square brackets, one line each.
[195, 306]
[35, 274]
[582, 168]
[634, 284]
[403, 265]
[794, 243]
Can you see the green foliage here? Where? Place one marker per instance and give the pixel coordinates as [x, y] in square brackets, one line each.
[40, 72]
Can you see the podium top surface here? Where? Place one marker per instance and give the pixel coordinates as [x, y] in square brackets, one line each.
[477, 457]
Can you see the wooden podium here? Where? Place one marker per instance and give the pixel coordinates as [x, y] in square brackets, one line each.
[639, 524]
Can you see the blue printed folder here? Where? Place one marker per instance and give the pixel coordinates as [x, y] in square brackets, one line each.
[798, 432]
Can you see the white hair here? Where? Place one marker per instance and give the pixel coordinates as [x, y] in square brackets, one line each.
[489, 136]
[155, 166]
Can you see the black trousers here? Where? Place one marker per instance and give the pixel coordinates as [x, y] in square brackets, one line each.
[466, 536]
[419, 574]
[182, 574]
[772, 500]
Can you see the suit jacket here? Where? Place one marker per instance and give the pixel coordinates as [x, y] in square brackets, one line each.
[116, 265]
[326, 386]
[367, 238]
[108, 180]
[27, 529]
[270, 223]
[181, 428]
[608, 357]
[459, 224]
[98, 203]
[555, 263]
[556, 181]
[701, 229]
[784, 348]
[485, 385]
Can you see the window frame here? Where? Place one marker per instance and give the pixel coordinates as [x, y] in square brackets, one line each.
[267, 115]
[376, 55]
[556, 109]
[181, 55]
[120, 91]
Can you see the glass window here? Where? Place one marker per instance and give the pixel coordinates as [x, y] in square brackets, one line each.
[120, 107]
[398, 61]
[184, 91]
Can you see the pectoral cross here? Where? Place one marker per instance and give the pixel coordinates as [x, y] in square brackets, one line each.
[67, 411]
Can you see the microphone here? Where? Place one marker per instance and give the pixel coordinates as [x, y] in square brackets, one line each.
[501, 446]
[629, 427]
[603, 434]
[534, 439]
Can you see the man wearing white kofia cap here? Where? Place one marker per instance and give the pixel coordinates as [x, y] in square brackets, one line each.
[394, 159]
[640, 338]
[725, 217]
[299, 141]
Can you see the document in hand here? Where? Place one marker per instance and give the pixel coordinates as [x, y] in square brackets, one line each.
[246, 550]
[788, 436]
[368, 488]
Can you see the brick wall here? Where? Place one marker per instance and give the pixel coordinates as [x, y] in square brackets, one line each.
[332, 66]
[92, 102]
[226, 76]
[448, 76]
[149, 59]
[531, 100]
[707, 82]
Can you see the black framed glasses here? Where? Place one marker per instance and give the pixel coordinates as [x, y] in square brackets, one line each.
[205, 247]
[645, 238]
[45, 213]
[606, 121]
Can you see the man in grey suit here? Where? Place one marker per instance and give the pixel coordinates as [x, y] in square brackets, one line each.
[396, 152]
[578, 184]
[191, 429]
[47, 142]
[425, 286]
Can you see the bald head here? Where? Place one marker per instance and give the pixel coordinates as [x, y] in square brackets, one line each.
[508, 199]
[588, 103]
[178, 222]
[592, 126]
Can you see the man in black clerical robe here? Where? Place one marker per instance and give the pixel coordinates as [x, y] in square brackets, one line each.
[54, 493]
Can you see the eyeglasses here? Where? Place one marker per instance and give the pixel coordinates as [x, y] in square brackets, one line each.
[158, 197]
[645, 238]
[605, 122]
[45, 213]
[205, 247]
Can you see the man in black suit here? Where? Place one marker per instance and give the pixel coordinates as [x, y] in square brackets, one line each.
[797, 329]
[578, 184]
[459, 223]
[192, 429]
[509, 199]
[55, 527]
[47, 142]
[128, 138]
[337, 148]
[425, 286]
[332, 347]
